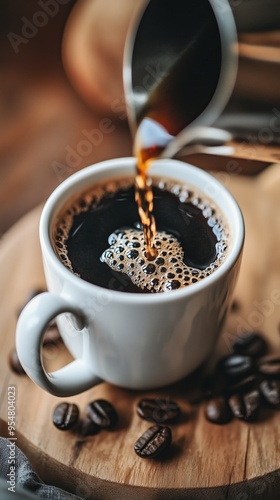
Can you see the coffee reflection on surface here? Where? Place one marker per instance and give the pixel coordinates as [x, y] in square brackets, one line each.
[99, 237]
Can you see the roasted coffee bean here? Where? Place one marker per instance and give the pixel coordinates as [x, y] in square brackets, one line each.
[158, 410]
[236, 366]
[252, 402]
[218, 411]
[246, 406]
[270, 389]
[65, 416]
[88, 428]
[102, 413]
[269, 366]
[242, 386]
[153, 441]
[251, 344]
[15, 363]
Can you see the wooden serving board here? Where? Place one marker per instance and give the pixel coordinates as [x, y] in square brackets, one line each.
[235, 461]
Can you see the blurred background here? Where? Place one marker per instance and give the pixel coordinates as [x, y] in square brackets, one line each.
[61, 95]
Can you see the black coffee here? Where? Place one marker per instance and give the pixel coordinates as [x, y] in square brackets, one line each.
[98, 236]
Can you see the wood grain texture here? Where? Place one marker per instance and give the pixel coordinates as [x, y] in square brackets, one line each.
[238, 460]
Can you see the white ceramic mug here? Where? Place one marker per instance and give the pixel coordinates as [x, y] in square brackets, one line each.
[138, 341]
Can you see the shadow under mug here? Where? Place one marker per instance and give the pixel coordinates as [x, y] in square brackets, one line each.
[137, 341]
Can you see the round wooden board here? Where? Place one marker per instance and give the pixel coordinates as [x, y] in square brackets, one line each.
[236, 461]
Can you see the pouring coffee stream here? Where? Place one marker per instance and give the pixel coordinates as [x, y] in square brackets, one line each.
[187, 44]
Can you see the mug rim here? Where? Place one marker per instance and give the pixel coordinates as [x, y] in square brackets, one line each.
[77, 182]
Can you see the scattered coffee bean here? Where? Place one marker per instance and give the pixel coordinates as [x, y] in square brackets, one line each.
[153, 441]
[270, 389]
[102, 413]
[88, 428]
[15, 363]
[242, 386]
[65, 416]
[217, 411]
[246, 406]
[236, 366]
[252, 401]
[269, 366]
[251, 344]
[158, 411]
[234, 389]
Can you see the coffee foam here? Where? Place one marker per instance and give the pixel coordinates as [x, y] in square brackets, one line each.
[127, 254]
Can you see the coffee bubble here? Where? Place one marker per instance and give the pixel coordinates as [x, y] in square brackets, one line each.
[127, 254]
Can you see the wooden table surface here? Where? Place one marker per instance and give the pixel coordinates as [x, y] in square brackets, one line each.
[236, 461]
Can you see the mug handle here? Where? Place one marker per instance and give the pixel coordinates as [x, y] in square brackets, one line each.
[73, 378]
